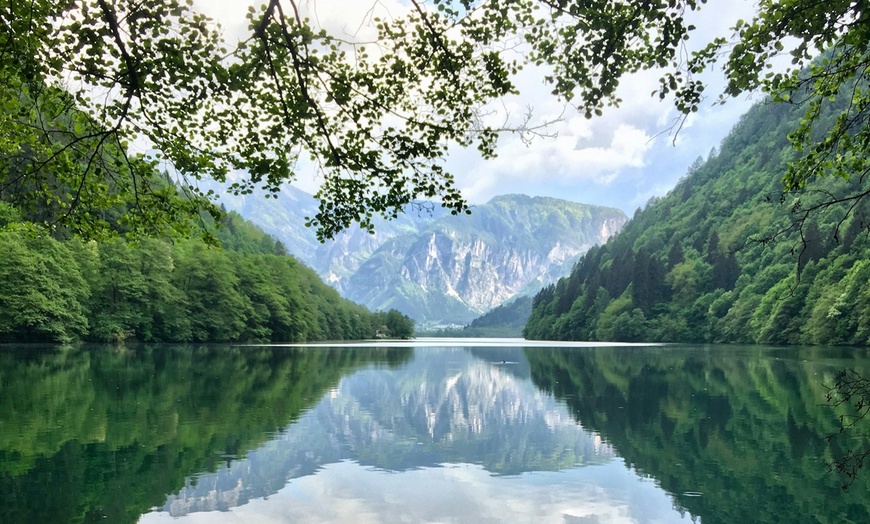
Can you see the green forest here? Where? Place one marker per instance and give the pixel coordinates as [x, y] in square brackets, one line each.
[726, 256]
[130, 266]
[153, 290]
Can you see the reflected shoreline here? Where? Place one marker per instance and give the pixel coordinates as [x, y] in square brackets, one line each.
[120, 431]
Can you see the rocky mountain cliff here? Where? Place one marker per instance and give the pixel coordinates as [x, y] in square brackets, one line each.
[335, 260]
[437, 268]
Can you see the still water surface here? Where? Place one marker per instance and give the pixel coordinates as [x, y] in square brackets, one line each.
[425, 431]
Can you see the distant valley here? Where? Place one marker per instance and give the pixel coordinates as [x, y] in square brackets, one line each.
[438, 268]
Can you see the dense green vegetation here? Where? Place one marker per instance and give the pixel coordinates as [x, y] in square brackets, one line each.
[736, 435]
[506, 320]
[104, 435]
[69, 273]
[152, 290]
[64, 176]
[725, 256]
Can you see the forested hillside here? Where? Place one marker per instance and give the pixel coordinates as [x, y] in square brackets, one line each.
[55, 286]
[154, 290]
[506, 320]
[726, 257]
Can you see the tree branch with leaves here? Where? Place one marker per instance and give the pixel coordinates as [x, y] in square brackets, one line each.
[376, 117]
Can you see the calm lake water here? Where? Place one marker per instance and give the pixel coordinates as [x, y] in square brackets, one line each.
[425, 431]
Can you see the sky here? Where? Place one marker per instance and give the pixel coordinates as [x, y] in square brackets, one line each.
[620, 159]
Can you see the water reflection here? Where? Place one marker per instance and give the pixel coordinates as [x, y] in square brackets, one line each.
[456, 434]
[349, 492]
[404, 434]
[444, 407]
[743, 427]
[104, 434]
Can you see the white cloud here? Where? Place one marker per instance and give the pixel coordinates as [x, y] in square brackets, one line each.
[349, 492]
[621, 158]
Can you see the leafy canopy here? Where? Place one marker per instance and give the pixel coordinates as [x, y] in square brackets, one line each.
[81, 81]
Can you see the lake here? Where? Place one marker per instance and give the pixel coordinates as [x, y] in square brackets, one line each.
[425, 431]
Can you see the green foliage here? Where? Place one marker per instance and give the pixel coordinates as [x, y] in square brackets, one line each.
[67, 175]
[43, 291]
[727, 257]
[151, 290]
[377, 123]
[237, 234]
[851, 395]
[393, 324]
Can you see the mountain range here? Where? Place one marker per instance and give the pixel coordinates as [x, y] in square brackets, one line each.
[438, 268]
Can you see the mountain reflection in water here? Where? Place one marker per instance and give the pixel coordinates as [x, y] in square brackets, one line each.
[444, 407]
[456, 431]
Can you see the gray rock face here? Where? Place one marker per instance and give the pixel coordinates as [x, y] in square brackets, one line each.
[460, 267]
[442, 269]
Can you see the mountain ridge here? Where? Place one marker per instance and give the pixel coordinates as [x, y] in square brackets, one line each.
[444, 269]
